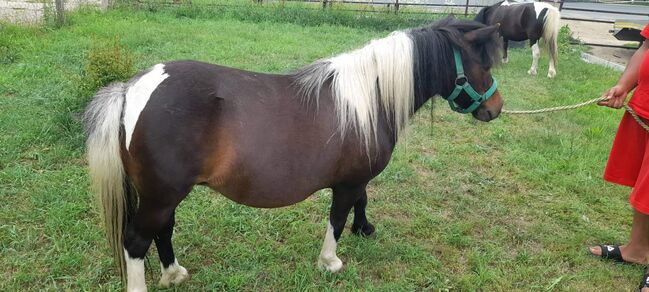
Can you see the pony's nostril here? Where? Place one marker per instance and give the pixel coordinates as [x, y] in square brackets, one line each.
[491, 115]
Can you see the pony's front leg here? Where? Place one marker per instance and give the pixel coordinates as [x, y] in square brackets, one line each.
[344, 198]
[172, 272]
[536, 54]
[505, 47]
[361, 226]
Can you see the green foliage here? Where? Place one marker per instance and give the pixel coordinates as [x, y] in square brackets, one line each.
[8, 52]
[12, 43]
[106, 62]
[50, 16]
[356, 16]
[564, 41]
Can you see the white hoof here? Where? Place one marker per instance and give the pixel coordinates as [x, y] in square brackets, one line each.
[505, 60]
[532, 72]
[331, 264]
[551, 74]
[175, 274]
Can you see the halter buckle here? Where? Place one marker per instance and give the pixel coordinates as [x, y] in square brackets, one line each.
[460, 80]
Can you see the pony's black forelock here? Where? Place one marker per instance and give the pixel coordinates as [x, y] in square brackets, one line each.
[433, 54]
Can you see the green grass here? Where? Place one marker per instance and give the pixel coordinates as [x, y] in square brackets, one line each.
[508, 205]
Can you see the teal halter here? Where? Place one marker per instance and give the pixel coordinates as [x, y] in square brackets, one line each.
[462, 83]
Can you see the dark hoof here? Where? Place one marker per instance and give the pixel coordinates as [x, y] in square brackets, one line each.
[365, 230]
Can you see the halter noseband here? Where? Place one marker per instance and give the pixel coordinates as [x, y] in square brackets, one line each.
[462, 84]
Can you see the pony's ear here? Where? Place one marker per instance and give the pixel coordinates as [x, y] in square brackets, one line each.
[481, 35]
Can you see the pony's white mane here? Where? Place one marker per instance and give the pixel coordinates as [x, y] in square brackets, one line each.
[365, 82]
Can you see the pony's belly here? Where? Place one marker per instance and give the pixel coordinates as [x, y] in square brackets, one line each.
[263, 198]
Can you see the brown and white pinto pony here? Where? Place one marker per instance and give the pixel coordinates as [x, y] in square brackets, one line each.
[526, 21]
[268, 140]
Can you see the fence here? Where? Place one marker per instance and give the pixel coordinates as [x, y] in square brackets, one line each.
[426, 6]
[583, 11]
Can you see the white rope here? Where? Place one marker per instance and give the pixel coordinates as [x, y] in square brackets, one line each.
[554, 109]
[574, 106]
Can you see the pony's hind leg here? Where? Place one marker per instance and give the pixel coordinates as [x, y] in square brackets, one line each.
[344, 198]
[361, 226]
[552, 70]
[137, 239]
[172, 272]
[151, 220]
[536, 54]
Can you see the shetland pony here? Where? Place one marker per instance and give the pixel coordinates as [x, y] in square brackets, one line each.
[272, 140]
[526, 21]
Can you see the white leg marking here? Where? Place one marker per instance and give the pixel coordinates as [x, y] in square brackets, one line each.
[174, 274]
[505, 60]
[552, 71]
[137, 97]
[135, 274]
[328, 259]
[536, 53]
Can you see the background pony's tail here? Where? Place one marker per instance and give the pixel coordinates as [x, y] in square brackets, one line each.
[102, 121]
[551, 25]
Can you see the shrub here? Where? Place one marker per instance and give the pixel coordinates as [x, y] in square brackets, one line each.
[564, 40]
[104, 63]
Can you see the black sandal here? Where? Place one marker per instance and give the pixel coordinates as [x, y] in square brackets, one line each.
[612, 252]
[645, 281]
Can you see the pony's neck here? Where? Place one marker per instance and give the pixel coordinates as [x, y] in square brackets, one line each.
[367, 84]
[434, 68]
[386, 81]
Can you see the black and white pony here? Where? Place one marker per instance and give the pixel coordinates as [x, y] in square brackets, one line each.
[523, 21]
[272, 140]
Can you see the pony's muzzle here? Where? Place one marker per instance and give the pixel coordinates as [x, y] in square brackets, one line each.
[490, 109]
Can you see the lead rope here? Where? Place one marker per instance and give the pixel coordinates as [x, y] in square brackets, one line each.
[574, 106]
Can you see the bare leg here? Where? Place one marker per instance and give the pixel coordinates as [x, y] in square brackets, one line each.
[637, 250]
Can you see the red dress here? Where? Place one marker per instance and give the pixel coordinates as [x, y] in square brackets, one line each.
[628, 163]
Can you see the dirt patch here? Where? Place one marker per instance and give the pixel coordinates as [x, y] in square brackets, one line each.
[598, 33]
[615, 55]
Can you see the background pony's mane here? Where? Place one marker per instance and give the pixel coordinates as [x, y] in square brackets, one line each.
[391, 75]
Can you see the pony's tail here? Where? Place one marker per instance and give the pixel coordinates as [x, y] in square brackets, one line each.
[102, 121]
[551, 25]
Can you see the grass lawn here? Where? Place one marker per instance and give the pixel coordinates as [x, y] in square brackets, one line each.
[464, 205]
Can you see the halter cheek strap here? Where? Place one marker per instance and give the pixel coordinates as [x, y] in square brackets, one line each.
[462, 84]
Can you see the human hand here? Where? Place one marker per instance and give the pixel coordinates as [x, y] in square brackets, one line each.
[616, 97]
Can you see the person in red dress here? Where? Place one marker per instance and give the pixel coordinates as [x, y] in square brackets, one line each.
[628, 163]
